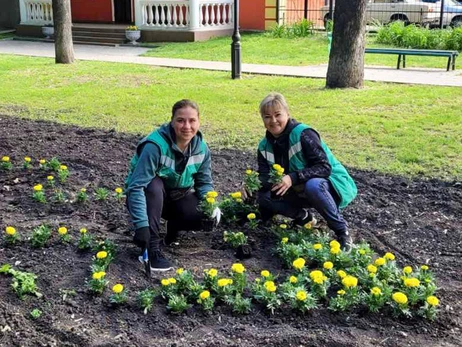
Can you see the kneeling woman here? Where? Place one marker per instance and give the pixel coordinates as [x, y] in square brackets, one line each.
[313, 177]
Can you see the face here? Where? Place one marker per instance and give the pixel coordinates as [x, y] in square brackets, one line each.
[185, 123]
[275, 120]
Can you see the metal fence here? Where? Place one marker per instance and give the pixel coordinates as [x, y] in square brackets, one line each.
[435, 13]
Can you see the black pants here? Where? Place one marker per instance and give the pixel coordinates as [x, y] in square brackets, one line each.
[180, 211]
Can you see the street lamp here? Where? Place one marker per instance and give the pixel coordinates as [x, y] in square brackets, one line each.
[236, 45]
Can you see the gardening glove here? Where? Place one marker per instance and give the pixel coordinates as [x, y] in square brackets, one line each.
[216, 215]
[142, 237]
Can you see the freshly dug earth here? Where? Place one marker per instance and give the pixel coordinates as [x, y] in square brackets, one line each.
[418, 220]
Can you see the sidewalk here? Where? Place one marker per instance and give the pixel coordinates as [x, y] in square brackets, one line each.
[436, 77]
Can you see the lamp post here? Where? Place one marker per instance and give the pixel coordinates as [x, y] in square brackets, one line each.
[442, 14]
[236, 45]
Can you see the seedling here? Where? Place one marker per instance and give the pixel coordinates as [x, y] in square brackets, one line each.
[63, 173]
[39, 194]
[23, 282]
[40, 236]
[35, 313]
[6, 163]
[11, 235]
[82, 196]
[146, 299]
[27, 163]
[54, 164]
[119, 295]
[85, 240]
[101, 194]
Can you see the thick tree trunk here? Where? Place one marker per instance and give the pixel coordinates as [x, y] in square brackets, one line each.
[64, 49]
[346, 60]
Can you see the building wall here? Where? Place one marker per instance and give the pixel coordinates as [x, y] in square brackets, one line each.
[95, 11]
[9, 13]
[251, 13]
[294, 11]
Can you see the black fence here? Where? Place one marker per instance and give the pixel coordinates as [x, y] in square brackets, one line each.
[434, 13]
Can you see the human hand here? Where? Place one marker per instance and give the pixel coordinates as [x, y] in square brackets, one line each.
[216, 215]
[282, 187]
[142, 237]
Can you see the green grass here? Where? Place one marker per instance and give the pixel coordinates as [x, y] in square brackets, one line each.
[259, 48]
[6, 36]
[399, 129]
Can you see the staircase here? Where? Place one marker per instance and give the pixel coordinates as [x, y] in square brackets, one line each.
[98, 34]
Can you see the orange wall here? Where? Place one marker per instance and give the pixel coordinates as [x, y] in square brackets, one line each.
[252, 14]
[91, 10]
[294, 10]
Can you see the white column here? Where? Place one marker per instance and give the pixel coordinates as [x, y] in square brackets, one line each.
[22, 9]
[138, 13]
[194, 13]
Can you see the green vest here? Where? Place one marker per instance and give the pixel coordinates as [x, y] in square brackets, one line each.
[166, 168]
[339, 177]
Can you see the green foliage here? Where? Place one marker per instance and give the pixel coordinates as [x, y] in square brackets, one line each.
[85, 240]
[40, 236]
[54, 164]
[239, 304]
[35, 313]
[82, 196]
[234, 239]
[23, 282]
[303, 28]
[177, 303]
[146, 299]
[59, 196]
[101, 193]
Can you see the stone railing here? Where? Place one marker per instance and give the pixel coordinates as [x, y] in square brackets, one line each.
[36, 12]
[184, 15]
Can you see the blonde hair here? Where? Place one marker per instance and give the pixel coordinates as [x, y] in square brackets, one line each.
[271, 101]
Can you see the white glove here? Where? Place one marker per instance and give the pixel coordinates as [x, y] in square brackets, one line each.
[216, 214]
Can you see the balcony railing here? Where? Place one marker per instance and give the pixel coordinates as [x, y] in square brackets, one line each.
[36, 12]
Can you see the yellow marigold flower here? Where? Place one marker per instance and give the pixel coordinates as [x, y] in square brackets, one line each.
[285, 240]
[283, 226]
[62, 231]
[98, 275]
[212, 194]
[301, 295]
[371, 268]
[83, 190]
[223, 282]
[399, 298]
[38, 188]
[317, 246]
[362, 251]
[239, 200]
[119, 190]
[42, 161]
[319, 280]
[210, 200]
[63, 167]
[10, 231]
[83, 231]
[258, 280]
[27, 159]
[251, 216]
[433, 300]
[118, 288]
[165, 282]
[270, 286]
[101, 255]
[299, 263]
[238, 268]
[341, 292]
[316, 274]
[180, 271]
[212, 272]
[277, 167]
[236, 195]
[411, 282]
[308, 226]
[334, 244]
[407, 270]
[248, 172]
[380, 261]
[341, 273]
[350, 281]
[265, 273]
[5, 159]
[328, 265]
[424, 267]
[293, 279]
[204, 295]
[171, 280]
[50, 178]
[389, 256]
[280, 173]
[335, 250]
[376, 291]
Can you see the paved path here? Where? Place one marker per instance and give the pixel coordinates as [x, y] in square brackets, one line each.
[438, 77]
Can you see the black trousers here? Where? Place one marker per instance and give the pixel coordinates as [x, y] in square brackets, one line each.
[180, 210]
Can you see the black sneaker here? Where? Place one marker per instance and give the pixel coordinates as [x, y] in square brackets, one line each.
[346, 242]
[306, 218]
[171, 239]
[158, 262]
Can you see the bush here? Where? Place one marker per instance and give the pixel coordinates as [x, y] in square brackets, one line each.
[412, 36]
[303, 28]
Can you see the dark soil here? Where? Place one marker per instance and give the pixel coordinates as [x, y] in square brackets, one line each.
[418, 220]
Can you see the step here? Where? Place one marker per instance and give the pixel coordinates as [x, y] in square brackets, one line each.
[98, 30]
[99, 34]
[95, 43]
[98, 39]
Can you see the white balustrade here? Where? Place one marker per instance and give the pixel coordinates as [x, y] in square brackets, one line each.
[36, 12]
[216, 14]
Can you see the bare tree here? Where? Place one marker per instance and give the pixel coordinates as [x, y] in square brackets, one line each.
[346, 60]
[64, 49]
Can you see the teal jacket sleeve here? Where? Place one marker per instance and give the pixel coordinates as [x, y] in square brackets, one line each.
[203, 182]
[143, 174]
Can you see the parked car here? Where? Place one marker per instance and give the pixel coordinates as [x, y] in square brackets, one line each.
[385, 11]
[452, 11]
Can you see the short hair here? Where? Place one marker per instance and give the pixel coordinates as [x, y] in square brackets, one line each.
[184, 103]
[272, 100]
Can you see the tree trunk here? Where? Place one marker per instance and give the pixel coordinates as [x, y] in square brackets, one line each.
[346, 60]
[64, 49]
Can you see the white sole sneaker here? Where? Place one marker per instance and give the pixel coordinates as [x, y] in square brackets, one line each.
[140, 258]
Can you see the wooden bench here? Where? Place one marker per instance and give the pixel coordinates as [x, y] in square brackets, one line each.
[402, 52]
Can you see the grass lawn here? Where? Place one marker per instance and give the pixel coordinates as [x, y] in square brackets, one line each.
[392, 128]
[259, 48]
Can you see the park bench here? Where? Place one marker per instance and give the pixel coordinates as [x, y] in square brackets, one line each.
[402, 52]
